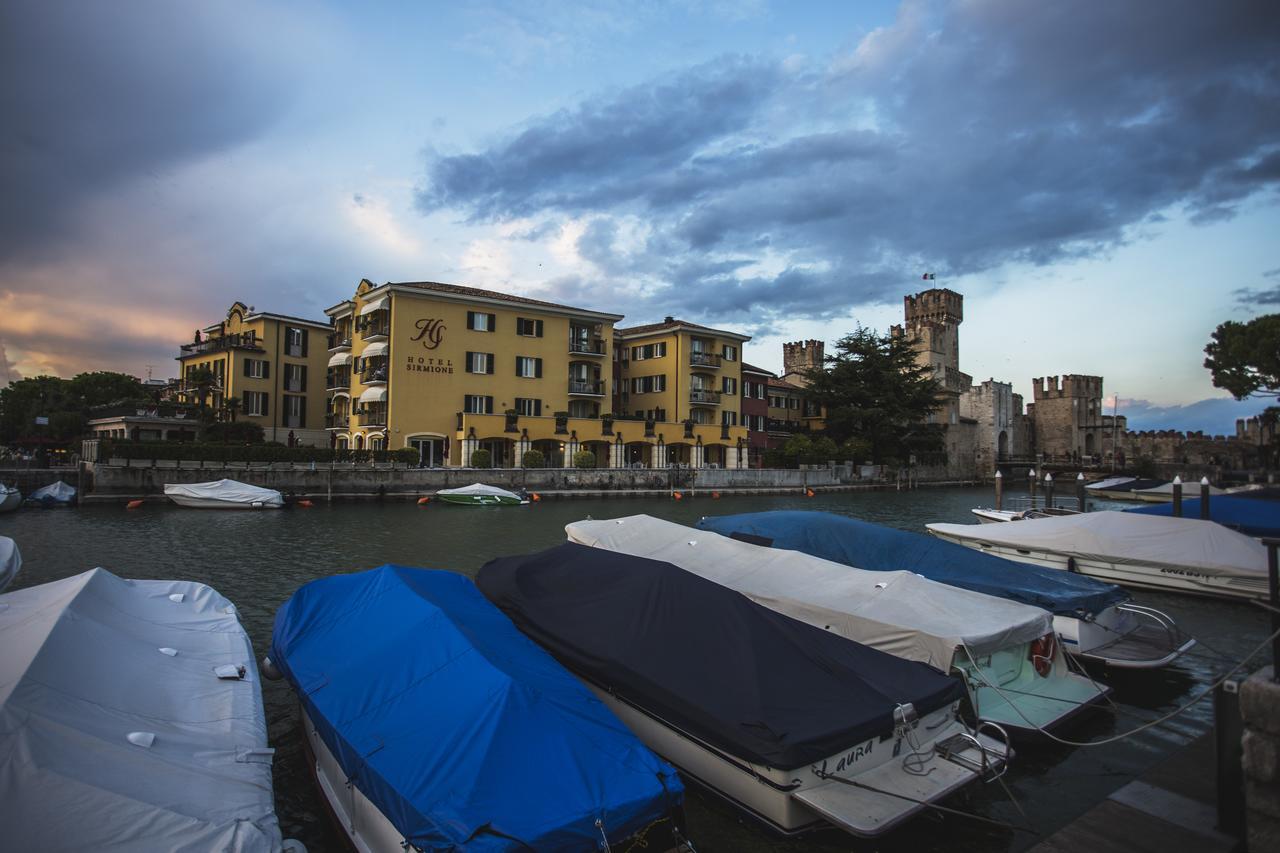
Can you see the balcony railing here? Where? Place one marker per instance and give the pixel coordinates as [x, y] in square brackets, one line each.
[375, 330]
[704, 395]
[371, 417]
[704, 359]
[374, 376]
[335, 421]
[337, 381]
[586, 346]
[584, 386]
[340, 340]
[225, 342]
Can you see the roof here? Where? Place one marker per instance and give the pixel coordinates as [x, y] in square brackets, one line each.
[673, 325]
[480, 293]
[751, 368]
[782, 383]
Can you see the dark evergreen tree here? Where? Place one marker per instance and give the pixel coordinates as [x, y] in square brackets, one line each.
[1244, 358]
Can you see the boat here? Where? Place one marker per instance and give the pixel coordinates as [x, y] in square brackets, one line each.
[792, 724]
[1143, 551]
[1164, 493]
[478, 494]
[436, 725]
[1094, 620]
[1108, 483]
[10, 561]
[223, 494]
[1120, 488]
[993, 516]
[55, 494]
[1255, 513]
[10, 498]
[133, 720]
[1006, 651]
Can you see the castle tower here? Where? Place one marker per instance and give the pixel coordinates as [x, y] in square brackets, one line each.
[1068, 416]
[799, 357]
[932, 319]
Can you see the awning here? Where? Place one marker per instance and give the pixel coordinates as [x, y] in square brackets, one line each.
[376, 305]
[374, 350]
[374, 395]
[339, 359]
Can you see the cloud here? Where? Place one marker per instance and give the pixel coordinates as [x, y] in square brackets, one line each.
[1250, 296]
[1215, 416]
[960, 138]
[8, 372]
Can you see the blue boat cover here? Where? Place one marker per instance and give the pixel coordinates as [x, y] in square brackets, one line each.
[707, 660]
[884, 549]
[462, 732]
[1253, 516]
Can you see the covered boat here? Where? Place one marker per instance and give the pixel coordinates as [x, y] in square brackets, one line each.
[132, 720]
[1164, 492]
[56, 493]
[1145, 551]
[789, 722]
[436, 724]
[10, 498]
[478, 494]
[1093, 619]
[1120, 488]
[1006, 650]
[10, 561]
[1243, 511]
[223, 494]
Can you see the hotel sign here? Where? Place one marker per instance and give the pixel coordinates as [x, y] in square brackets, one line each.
[430, 335]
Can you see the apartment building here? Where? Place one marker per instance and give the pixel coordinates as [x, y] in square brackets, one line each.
[755, 411]
[271, 365]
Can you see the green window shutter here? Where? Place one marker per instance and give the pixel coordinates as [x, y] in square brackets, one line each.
[489, 360]
[537, 366]
[266, 371]
[493, 322]
[304, 343]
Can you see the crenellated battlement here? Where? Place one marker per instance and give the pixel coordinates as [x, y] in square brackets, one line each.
[1071, 385]
[938, 305]
[799, 356]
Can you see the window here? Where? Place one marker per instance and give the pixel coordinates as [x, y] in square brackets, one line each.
[528, 328]
[257, 368]
[730, 353]
[729, 385]
[640, 353]
[529, 368]
[476, 404]
[729, 418]
[793, 403]
[478, 321]
[479, 362]
[295, 377]
[295, 410]
[295, 341]
[648, 384]
[255, 403]
[528, 407]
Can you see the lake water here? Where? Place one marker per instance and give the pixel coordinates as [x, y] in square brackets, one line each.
[257, 559]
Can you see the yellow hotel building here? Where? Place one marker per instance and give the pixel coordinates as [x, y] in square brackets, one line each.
[449, 370]
[273, 364]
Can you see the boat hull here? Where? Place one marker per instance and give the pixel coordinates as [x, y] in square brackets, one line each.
[213, 503]
[10, 500]
[479, 500]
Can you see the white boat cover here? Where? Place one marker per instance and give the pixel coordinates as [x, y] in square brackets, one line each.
[1109, 482]
[376, 305]
[900, 613]
[480, 489]
[374, 350]
[339, 358]
[374, 395]
[1189, 490]
[115, 730]
[10, 561]
[57, 492]
[1127, 538]
[226, 491]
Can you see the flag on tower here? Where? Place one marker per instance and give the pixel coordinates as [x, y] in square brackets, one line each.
[930, 276]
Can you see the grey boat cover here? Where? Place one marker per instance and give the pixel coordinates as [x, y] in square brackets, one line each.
[481, 490]
[10, 561]
[116, 732]
[897, 612]
[225, 491]
[1189, 490]
[56, 492]
[1127, 538]
[1110, 482]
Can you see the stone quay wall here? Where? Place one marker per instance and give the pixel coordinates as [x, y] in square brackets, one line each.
[1260, 710]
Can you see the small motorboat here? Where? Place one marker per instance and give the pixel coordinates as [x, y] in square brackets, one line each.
[133, 720]
[1164, 493]
[1094, 620]
[436, 725]
[223, 494]
[55, 494]
[478, 494]
[993, 516]
[10, 498]
[1130, 549]
[1006, 651]
[10, 561]
[796, 726]
[1120, 488]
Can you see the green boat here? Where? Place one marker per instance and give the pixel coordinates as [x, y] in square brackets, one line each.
[478, 494]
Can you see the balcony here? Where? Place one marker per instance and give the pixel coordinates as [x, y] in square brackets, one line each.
[371, 417]
[339, 341]
[247, 341]
[704, 396]
[375, 376]
[337, 381]
[586, 346]
[587, 387]
[335, 421]
[704, 359]
[375, 333]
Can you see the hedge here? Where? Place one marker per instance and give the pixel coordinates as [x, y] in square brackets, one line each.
[584, 459]
[202, 452]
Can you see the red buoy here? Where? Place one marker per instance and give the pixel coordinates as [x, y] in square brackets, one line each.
[424, 501]
[305, 504]
[677, 496]
[808, 493]
[715, 496]
[133, 504]
[535, 497]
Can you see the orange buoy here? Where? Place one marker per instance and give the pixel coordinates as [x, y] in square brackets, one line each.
[808, 493]
[535, 497]
[715, 496]
[133, 504]
[305, 504]
[677, 496]
[424, 501]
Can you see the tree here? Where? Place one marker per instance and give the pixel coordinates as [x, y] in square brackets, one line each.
[65, 403]
[232, 405]
[877, 394]
[203, 381]
[1244, 358]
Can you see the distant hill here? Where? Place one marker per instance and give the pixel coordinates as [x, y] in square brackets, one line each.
[1216, 416]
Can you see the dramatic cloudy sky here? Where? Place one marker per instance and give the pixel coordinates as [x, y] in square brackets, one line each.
[1100, 180]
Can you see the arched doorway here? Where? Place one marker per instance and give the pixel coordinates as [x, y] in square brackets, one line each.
[679, 453]
[639, 454]
[1002, 446]
[552, 452]
[601, 451]
[1088, 444]
[432, 449]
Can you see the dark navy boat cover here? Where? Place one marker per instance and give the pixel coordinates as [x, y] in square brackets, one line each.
[707, 660]
[884, 549]
[461, 731]
[1253, 516]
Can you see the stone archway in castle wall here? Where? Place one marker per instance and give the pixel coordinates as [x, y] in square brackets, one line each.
[1089, 448]
[1002, 445]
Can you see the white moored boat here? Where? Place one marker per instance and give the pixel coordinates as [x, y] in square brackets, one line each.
[1007, 652]
[132, 720]
[10, 561]
[1164, 493]
[10, 498]
[1130, 549]
[223, 494]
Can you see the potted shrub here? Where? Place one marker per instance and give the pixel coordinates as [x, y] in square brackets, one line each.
[481, 459]
[533, 459]
[584, 459]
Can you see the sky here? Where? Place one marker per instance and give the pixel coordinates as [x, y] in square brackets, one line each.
[1100, 180]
